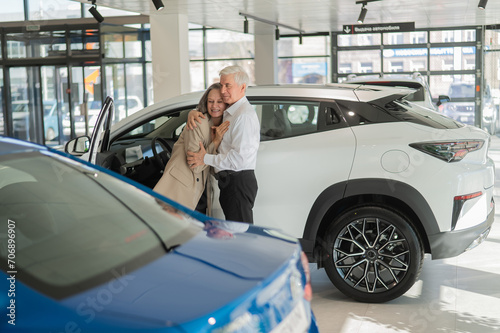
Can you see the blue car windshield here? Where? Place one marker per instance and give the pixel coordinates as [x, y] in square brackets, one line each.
[76, 227]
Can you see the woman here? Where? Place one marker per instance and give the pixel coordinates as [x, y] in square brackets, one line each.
[179, 182]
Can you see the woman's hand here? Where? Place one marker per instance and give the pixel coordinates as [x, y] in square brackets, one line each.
[193, 117]
[218, 132]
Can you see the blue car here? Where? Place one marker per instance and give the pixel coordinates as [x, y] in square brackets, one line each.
[83, 250]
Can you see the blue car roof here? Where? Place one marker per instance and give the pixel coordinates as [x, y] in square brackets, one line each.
[11, 146]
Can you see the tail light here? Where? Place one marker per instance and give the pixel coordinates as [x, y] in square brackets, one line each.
[448, 151]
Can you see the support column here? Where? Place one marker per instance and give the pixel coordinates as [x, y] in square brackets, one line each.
[170, 55]
[266, 54]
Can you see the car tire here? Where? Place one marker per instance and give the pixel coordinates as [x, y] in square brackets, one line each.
[373, 254]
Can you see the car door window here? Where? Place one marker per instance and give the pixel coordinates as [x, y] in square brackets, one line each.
[147, 127]
[286, 119]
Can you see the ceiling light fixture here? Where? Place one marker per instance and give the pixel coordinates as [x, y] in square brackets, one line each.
[362, 15]
[482, 4]
[277, 33]
[300, 38]
[93, 10]
[245, 25]
[276, 24]
[364, 10]
[158, 4]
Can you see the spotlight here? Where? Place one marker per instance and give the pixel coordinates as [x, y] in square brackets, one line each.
[158, 4]
[362, 15]
[277, 33]
[300, 38]
[93, 10]
[245, 25]
[482, 4]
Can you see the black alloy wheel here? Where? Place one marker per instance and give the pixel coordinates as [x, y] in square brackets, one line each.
[373, 254]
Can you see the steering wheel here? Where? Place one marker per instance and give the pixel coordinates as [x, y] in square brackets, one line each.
[161, 158]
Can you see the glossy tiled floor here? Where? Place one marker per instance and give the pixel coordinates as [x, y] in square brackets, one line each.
[460, 294]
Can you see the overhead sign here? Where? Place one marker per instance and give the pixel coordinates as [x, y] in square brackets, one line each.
[434, 51]
[375, 28]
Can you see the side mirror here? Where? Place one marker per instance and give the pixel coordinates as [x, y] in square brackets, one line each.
[78, 146]
[443, 99]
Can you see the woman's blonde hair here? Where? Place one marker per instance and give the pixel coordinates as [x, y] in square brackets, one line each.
[202, 104]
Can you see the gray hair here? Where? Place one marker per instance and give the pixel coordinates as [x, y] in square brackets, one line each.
[240, 75]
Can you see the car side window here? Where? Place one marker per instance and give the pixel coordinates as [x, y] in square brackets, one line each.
[286, 119]
[147, 127]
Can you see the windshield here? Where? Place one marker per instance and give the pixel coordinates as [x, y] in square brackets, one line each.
[76, 228]
[391, 110]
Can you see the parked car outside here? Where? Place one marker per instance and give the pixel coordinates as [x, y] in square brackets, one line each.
[22, 110]
[20, 118]
[133, 105]
[464, 110]
[52, 113]
[104, 254]
[367, 180]
[422, 95]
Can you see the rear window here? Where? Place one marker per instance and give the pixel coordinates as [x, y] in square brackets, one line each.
[390, 110]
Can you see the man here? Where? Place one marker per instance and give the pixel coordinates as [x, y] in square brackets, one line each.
[235, 162]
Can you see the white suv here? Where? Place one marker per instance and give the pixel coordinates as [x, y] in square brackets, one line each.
[368, 181]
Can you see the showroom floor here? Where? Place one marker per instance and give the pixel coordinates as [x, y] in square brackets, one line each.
[460, 294]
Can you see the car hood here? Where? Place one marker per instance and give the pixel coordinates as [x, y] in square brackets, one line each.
[195, 279]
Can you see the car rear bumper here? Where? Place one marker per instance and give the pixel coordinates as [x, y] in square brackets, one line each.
[452, 243]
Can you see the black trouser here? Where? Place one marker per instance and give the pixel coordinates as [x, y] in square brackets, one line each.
[203, 202]
[237, 194]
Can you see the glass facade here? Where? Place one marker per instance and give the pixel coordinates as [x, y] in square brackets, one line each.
[306, 62]
[53, 9]
[51, 103]
[409, 52]
[450, 60]
[211, 49]
[56, 102]
[11, 11]
[42, 10]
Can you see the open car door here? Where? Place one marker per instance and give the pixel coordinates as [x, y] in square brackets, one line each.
[99, 141]
[96, 148]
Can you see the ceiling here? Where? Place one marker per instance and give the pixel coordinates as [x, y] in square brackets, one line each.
[318, 15]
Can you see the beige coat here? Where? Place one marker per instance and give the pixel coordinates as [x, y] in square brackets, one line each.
[179, 182]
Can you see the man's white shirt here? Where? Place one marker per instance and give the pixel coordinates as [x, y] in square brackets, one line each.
[239, 146]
